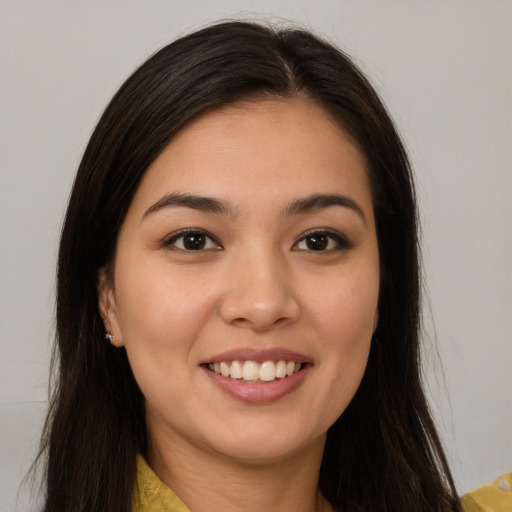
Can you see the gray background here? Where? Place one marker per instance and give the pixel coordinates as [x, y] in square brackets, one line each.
[445, 71]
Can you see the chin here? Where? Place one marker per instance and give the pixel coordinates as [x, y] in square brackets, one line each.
[266, 447]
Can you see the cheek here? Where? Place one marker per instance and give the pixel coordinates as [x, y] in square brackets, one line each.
[344, 319]
[160, 318]
[160, 313]
[345, 308]
[149, 292]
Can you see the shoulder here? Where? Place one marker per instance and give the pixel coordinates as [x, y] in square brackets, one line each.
[495, 497]
[153, 495]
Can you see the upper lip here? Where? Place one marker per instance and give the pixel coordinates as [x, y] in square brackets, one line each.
[258, 355]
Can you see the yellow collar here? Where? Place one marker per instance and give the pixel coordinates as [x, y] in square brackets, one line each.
[153, 495]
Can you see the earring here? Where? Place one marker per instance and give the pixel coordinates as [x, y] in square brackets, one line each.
[109, 336]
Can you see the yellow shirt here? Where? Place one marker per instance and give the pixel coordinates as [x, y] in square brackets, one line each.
[152, 495]
[495, 497]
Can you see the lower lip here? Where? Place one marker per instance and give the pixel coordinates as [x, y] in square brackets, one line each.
[258, 392]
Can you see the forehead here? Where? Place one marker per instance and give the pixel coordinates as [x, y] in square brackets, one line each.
[271, 149]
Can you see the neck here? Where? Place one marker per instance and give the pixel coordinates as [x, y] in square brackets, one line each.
[208, 481]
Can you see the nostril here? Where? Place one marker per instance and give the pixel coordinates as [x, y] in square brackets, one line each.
[241, 322]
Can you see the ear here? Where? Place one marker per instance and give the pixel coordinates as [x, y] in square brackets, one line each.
[108, 309]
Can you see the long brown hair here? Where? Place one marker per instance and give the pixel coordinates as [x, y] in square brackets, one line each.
[383, 453]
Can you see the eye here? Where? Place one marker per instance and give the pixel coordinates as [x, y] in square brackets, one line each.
[323, 240]
[192, 240]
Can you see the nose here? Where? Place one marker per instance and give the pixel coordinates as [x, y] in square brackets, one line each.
[260, 294]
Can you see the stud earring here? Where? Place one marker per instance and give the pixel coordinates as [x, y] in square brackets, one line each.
[109, 336]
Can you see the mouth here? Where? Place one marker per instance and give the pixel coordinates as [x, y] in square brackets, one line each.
[255, 372]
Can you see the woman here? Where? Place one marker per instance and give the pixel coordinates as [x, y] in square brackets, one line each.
[238, 293]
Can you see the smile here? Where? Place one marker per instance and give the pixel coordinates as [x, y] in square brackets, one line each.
[251, 371]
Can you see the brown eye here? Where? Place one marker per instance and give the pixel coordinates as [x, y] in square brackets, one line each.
[322, 241]
[192, 240]
[317, 242]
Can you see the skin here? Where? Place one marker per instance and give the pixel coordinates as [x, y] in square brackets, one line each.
[257, 284]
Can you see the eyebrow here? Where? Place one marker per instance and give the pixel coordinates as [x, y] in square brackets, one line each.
[321, 201]
[211, 205]
[201, 203]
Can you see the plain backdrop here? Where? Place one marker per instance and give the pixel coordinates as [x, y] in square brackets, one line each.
[445, 71]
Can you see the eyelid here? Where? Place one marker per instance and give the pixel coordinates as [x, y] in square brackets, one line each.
[173, 237]
[342, 240]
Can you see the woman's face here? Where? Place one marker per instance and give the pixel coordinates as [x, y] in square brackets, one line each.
[246, 281]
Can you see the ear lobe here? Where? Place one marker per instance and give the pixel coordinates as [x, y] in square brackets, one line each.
[108, 310]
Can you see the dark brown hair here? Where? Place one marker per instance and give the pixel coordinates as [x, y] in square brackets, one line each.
[383, 453]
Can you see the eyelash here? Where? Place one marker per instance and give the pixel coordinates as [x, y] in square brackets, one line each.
[322, 236]
[341, 242]
[170, 242]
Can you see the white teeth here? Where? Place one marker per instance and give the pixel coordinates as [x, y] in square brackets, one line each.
[281, 369]
[224, 369]
[235, 371]
[252, 371]
[267, 371]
